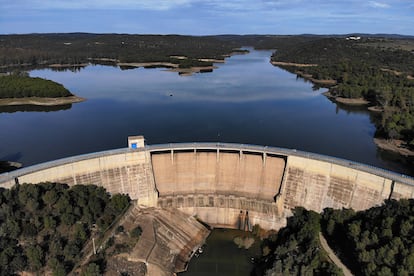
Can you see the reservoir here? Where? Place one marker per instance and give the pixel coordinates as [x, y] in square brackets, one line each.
[245, 100]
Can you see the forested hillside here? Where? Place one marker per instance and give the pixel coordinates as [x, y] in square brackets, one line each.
[44, 227]
[18, 86]
[328, 51]
[20, 51]
[374, 69]
[295, 249]
[378, 241]
[269, 42]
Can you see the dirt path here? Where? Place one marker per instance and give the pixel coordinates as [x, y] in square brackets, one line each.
[332, 256]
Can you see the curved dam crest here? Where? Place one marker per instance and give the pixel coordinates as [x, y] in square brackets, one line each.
[225, 184]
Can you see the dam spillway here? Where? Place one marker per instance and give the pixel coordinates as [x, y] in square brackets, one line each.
[219, 185]
[220, 182]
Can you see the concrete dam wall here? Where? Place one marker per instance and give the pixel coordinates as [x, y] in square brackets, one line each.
[119, 171]
[226, 185]
[217, 185]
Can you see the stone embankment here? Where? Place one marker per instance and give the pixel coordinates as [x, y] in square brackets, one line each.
[168, 241]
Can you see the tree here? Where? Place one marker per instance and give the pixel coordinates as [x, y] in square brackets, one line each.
[136, 232]
[35, 257]
[92, 269]
[50, 197]
[119, 202]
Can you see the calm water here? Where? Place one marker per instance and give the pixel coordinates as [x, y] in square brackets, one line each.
[222, 257]
[245, 100]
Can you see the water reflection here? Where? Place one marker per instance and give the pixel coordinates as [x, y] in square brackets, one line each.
[33, 108]
[232, 82]
[71, 68]
[245, 100]
[221, 255]
[13, 156]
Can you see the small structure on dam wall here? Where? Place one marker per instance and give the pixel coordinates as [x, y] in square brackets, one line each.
[218, 182]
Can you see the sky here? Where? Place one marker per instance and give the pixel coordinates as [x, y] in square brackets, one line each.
[203, 17]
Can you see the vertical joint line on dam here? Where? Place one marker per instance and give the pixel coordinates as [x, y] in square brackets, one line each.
[392, 189]
[283, 180]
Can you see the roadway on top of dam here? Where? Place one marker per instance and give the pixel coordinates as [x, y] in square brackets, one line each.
[211, 146]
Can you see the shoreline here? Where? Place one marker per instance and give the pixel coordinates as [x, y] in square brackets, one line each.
[148, 64]
[58, 65]
[347, 101]
[8, 166]
[282, 63]
[192, 70]
[393, 145]
[171, 67]
[41, 101]
[327, 82]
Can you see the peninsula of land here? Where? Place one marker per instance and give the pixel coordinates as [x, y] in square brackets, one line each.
[21, 89]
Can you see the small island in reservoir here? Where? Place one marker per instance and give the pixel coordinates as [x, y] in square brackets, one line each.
[21, 89]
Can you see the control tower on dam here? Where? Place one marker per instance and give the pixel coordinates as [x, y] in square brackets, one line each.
[225, 185]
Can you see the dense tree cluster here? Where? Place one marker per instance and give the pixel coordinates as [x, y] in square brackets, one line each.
[44, 227]
[17, 86]
[295, 249]
[363, 69]
[77, 48]
[266, 42]
[333, 50]
[378, 241]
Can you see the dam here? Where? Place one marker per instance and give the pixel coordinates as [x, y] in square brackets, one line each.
[223, 184]
[176, 186]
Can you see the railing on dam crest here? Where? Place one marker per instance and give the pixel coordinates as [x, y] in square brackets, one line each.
[216, 146]
[285, 152]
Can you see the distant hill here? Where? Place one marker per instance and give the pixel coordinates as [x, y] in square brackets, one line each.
[37, 50]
